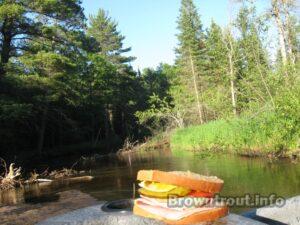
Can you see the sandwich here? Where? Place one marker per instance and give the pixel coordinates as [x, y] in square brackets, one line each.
[178, 197]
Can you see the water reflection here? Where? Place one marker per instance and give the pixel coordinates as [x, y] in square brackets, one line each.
[50, 205]
[116, 174]
[36, 193]
[12, 197]
[241, 175]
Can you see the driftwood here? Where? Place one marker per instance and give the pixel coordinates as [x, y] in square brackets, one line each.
[128, 146]
[10, 177]
[69, 180]
[79, 179]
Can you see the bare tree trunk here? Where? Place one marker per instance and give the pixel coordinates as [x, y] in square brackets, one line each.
[232, 78]
[107, 124]
[288, 33]
[199, 106]
[109, 131]
[281, 31]
[230, 54]
[42, 131]
[97, 137]
[258, 63]
[233, 98]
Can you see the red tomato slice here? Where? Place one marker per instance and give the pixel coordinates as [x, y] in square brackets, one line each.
[201, 194]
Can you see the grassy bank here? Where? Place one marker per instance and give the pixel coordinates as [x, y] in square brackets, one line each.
[267, 134]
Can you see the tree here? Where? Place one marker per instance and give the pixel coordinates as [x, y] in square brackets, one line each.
[220, 71]
[109, 45]
[109, 40]
[216, 52]
[230, 44]
[190, 48]
[24, 20]
[281, 12]
[253, 62]
[168, 101]
[39, 37]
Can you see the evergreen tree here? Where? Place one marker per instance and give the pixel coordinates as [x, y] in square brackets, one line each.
[24, 20]
[190, 51]
[253, 63]
[109, 40]
[218, 72]
[109, 45]
[216, 52]
[168, 102]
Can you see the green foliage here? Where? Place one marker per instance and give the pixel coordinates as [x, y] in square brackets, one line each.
[287, 120]
[260, 135]
[217, 55]
[158, 106]
[23, 21]
[109, 41]
[63, 82]
[11, 10]
[169, 103]
[190, 35]
[253, 66]
[217, 93]
[48, 64]
[12, 111]
[266, 98]
[64, 85]
[270, 130]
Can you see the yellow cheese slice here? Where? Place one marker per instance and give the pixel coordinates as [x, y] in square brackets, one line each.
[156, 187]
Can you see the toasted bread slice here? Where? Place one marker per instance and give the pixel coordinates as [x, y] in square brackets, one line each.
[204, 216]
[188, 180]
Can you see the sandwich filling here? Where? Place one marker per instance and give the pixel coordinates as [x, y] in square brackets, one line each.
[155, 199]
[161, 190]
[170, 213]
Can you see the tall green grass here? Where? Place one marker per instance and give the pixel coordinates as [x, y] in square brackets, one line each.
[259, 135]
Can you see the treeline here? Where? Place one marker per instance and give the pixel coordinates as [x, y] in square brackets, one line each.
[65, 83]
[232, 72]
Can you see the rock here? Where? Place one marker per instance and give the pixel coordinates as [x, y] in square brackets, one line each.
[40, 207]
[95, 216]
[288, 214]
[233, 219]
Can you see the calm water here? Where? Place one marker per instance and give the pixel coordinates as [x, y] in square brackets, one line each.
[115, 176]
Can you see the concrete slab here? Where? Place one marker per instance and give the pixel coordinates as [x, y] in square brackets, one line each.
[94, 215]
[288, 214]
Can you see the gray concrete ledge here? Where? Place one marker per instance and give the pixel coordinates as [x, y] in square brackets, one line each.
[288, 214]
[95, 216]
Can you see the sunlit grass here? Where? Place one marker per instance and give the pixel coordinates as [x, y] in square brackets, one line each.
[242, 135]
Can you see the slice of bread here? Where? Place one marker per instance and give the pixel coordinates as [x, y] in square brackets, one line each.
[204, 216]
[187, 179]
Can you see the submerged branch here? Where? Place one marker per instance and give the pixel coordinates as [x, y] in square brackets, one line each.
[11, 177]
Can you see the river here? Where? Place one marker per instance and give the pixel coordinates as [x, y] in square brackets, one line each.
[115, 176]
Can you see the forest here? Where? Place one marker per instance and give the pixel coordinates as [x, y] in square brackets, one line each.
[67, 85]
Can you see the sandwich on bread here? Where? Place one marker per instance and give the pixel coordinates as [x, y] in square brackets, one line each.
[164, 196]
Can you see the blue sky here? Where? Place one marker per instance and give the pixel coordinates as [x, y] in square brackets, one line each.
[150, 25]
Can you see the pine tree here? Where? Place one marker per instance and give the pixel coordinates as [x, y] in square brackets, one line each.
[190, 49]
[253, 61]
[109, 45]
[216, 52]
[220, 72]
[108, 39]
[23, 20]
